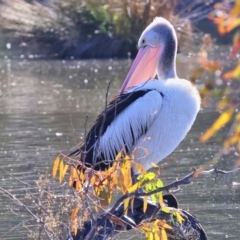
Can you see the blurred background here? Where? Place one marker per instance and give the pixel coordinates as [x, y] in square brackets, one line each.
[56, 59]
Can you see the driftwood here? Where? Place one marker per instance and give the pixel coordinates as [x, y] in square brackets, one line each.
[189, 229]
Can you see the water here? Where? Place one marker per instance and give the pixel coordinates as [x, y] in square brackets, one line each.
[43, 108]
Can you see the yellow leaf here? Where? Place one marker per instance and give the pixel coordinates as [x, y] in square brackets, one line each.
[64, 172]
[230, 24]
[231, 141]
[140, 168]
[104, 197]
[132, 205]
[239, 145]
[235, 73]
[222, 120]
[125, 205]
[163, 224]
[222, 103]
[163, 234]
[150, 236]
[121, 184]
[157, 235]
[55, 166]
[134, 187]
[165, 209]
[237, 117]
[160, 200]
[179, 217]
[61, 171]
[235, 11]
[145, 204]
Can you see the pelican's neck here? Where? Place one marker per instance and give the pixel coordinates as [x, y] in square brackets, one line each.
[167, 61]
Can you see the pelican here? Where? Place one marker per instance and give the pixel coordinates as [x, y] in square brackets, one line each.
[150, 116]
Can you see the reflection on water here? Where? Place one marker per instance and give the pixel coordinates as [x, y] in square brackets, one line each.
[43, 108]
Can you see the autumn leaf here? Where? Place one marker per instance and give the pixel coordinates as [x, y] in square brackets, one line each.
[125, 205]
[197, 172]
[74, 225]
[179, 217]
[104, 197]
[222, 120]
[140, 168]
[55, 166]
[74, 213]
[231, 24]
[235, 73]
[145, 203]
[165, 209]
[163, 224]
[117, 221]
[222, 103]
[61, 171]
[163, 234]
[236, 45]
[231, 140]
[210, 65]
[235, 11]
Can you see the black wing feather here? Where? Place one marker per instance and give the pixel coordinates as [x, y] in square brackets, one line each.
[114, 108]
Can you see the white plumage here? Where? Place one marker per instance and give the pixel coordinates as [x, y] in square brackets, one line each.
[149, 118]
[168, 118]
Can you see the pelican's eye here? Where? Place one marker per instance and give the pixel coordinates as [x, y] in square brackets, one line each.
[143, 41]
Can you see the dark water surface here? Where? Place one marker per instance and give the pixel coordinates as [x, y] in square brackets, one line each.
[43, 107]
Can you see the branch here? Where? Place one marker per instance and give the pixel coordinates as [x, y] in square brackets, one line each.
[93, 231]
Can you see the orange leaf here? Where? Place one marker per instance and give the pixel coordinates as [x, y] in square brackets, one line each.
[231, 141]
[197, 172]
[74, 213]
[55, 166]
[117, 221]
[163, 224]
[61, 171]
[222, 120]
[231, 24]
[236, 45]
[210, 65]
[232, 74]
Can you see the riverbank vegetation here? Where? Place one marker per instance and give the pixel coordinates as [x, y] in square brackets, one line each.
[90, 28]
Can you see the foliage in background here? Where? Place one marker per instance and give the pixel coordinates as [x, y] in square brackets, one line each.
[60, 28]
[227, 18]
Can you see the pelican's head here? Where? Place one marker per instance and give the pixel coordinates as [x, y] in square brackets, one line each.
[156, 55]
